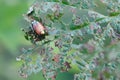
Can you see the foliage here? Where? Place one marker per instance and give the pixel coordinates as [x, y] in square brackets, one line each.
[82, 35]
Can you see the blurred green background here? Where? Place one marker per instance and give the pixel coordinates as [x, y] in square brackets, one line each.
[12, 40]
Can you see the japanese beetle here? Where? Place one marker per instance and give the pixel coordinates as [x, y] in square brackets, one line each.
[36, 32]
